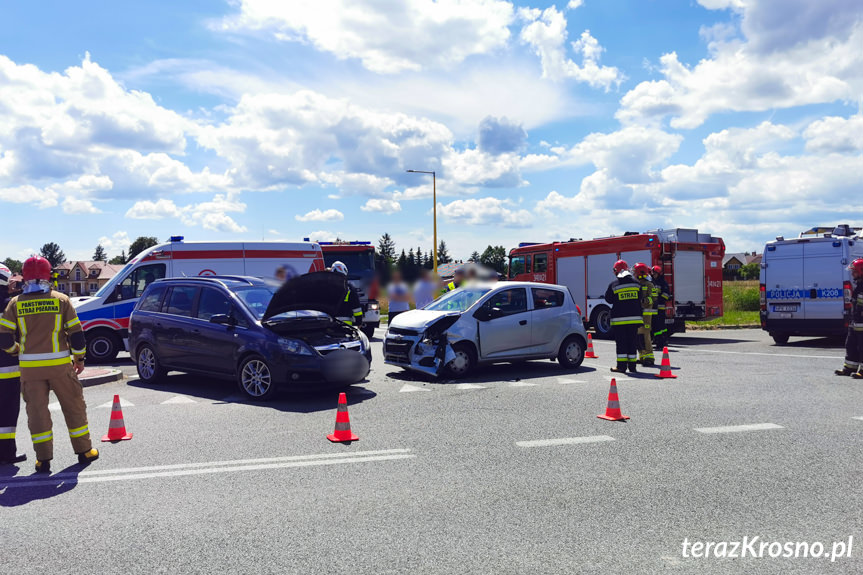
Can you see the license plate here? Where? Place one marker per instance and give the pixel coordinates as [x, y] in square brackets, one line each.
[790, 307]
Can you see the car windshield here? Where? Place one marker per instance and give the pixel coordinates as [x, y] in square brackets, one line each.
[458, 300]
[359, 264]
[256, 298]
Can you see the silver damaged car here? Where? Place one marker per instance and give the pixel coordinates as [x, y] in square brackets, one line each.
[488, 323]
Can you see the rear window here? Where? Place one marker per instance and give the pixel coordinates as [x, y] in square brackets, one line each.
[152, 301]
[180, 301]
[545, 298]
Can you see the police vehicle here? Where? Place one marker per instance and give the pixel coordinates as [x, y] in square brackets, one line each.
[805, 282]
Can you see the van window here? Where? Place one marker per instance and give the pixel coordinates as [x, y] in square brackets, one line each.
[213, 302]
[153, 300]
[527, 267]
[133, 285]
[544, 298]
[180, 301]
[516, 266]
[509, 301]
[540, 263]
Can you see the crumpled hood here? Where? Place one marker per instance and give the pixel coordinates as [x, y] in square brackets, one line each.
[319, 291]
[420, 319]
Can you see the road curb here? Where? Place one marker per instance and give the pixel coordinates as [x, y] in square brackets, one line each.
[101, 376]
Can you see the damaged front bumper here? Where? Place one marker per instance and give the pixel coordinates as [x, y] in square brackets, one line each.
[411, 351]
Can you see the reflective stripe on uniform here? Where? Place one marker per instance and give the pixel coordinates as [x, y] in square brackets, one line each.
[43, 359]
[79, 351]
[79, 431]
[10, 372]
[632, 319]
[55, 333]
[72, 323]
[42, 437]
[7, 433]
[22, 329]
[6, 323]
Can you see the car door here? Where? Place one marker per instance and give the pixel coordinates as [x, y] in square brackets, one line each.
[214, 344]
[506, 332]
[548, 319]
[174, 328]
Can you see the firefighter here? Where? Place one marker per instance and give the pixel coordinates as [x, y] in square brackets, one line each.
[624, 295]
[10, 388]
[663, 295]
[350, 310]
[645, 342]
[50, 356]
[854, 341]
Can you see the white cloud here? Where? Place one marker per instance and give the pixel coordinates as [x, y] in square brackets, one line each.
[150, 210]
[387, 36]
[78, 206]
[382, 205]
[321, 216]
[573, 4]
[116, 243]
[835, 134]
[26, 194]
[211, 215]
[485, 211]
[322, 236]
[546, 33]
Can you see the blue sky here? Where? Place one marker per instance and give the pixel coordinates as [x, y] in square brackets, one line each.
[290, 119]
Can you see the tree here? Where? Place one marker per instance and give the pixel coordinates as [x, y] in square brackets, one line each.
[118, 260]
[443, 256]
[750, 271]
[402, 262]
[100, 255]
[13, 265]
[495, 258]
[141, 244]
[474, 257]
[53, 254]
[387, 248]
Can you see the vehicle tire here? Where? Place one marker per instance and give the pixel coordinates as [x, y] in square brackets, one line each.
[780, 338]
[150, 370]
[103, 345]
[464, 362]
[255, 379]
[369, 330]
[600, 319]
[571, 352]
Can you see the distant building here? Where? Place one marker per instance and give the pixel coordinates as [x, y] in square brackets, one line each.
[84, 278]
[733, 262]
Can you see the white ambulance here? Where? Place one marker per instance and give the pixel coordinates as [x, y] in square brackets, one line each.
[105, 315]
[805, 282]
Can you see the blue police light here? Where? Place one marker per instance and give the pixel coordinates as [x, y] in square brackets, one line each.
[305, 239]
[176, 239]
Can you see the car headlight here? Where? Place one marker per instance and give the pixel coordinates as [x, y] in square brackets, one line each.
[294, 347]
[374, 306]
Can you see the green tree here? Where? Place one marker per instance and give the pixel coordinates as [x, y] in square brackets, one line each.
[387, 248]
[402, 262]
[474, 257]
[443, 256]
[13, 265]
[118, 260]
[750, 271]
[141, 244]
[53, 254]
[100, 255]
[495, 258]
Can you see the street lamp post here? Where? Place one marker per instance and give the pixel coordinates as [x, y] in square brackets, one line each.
[434, 211]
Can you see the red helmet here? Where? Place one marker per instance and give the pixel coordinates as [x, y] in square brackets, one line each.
[657, 270]
[36, 268]
[857, 266]
[641, 269]
[620, 266]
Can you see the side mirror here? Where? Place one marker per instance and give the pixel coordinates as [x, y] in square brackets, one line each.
[495, 312]
[223, 319]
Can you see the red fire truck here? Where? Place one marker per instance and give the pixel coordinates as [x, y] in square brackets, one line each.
[360, 259]
[692, 264]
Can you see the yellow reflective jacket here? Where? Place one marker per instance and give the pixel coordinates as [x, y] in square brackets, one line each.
[48, 328]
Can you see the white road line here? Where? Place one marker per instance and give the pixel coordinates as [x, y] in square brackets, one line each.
[407, 388]
[214, 467]
[564, 381]
[521, 384]
[737, 428]
[178, 399]
[110, 404]
[469, 386]
[858, 417]
[564, 441]
[692, 350]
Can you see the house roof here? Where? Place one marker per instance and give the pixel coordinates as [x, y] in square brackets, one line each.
[105, 270]
[740, 257]
[447, 270]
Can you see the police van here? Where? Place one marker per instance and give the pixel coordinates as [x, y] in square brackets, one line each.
[805, 282]
[105, 315]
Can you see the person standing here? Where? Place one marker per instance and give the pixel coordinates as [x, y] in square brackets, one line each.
[624, 295]
[853, 365]
[10, 388]
[399, 296]
[663, 295]
[645, 342]
[457, 280]
[351, 309]
[424, 289]
[50, 356]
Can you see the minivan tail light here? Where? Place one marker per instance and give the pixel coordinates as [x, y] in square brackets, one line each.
[763, 297]
[578, 309]
[846, 289]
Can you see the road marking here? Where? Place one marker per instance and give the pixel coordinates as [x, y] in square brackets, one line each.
[564, 441]
[54, 406]
[202, 468]
[765, 354]
[178, 399]
[469, 386]
[521, 384]
[407, 388]
[110, 404]
[737, 428]
[564, 381]
[860, 418]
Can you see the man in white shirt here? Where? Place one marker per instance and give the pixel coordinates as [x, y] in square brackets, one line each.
[424, 289]
[399, 296]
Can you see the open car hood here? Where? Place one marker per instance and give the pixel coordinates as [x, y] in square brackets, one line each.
[319, 291]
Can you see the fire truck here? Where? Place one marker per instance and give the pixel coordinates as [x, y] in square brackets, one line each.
[360, 259]
[692, 263]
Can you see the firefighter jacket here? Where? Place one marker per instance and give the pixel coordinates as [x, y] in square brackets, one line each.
[663, 292]
[450, 287]
[48, 327]
[647, 296]
[624, 295]
[8, 362]
[351, 310]
[857, 306]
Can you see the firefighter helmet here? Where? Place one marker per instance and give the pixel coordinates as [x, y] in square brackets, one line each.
[657, 270]
[857, 267]
[5, 275]
[641, 269]
[620, 266]
[339, 268]
[36, 268]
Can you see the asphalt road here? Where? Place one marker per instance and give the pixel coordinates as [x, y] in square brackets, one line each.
[442, 481]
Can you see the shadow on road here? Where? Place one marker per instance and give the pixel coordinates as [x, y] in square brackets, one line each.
[18, 490]
[682, 340]
[818, 342]
[524, 370]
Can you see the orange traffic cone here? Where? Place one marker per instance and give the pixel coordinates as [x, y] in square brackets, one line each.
[589, 353]
[612, 412]
[117, 427]
[342, 432]
[665, 368]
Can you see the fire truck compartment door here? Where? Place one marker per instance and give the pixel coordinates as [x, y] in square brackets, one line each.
[570, 273]
[689, 277]
[599, 274]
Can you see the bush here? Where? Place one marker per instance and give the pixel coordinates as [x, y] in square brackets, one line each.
[741, 296]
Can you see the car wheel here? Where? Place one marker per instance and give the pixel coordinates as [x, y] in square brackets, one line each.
[571, 352]
[600, 319]
[150, 370]
[102, 345]
[256, 380]
[463, 363]
[780, 338]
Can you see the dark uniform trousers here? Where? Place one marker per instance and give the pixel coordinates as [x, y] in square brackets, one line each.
[10, 406]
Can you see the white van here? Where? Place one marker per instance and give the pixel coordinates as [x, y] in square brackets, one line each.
[805, 282]
[105, 315]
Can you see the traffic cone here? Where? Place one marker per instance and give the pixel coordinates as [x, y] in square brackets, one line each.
[117, 428]
[589, 353]
[665, 367]
[342, 432]
[612, 412]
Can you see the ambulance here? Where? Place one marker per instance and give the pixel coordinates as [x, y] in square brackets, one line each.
[692, 264]
[105, 315]
[805, 282]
